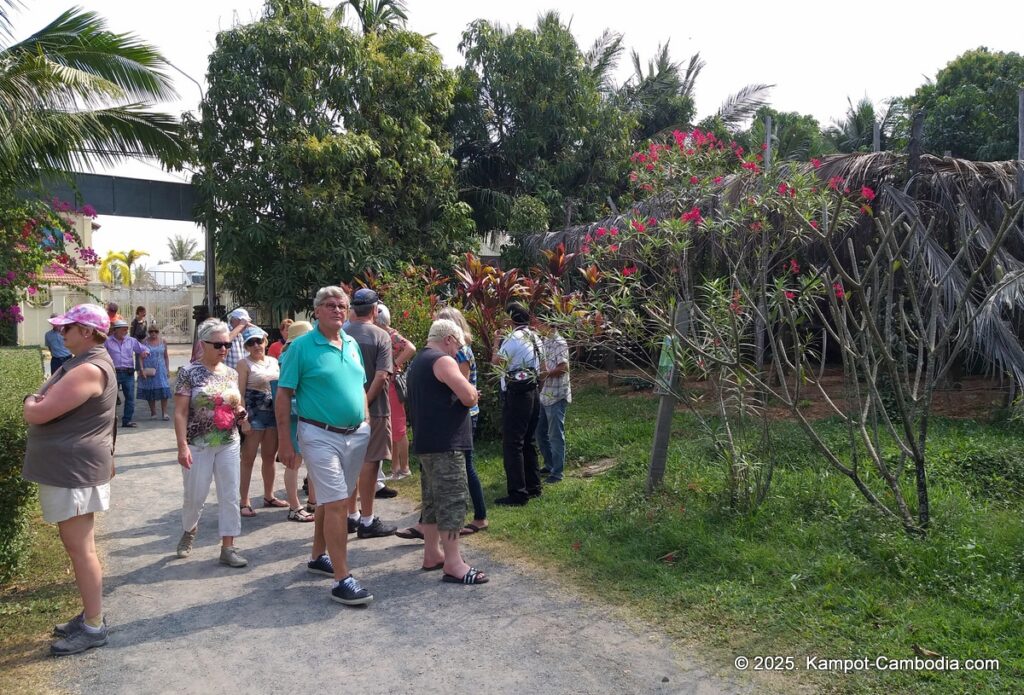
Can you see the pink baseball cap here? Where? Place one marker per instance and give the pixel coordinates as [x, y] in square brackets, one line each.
[91, 315]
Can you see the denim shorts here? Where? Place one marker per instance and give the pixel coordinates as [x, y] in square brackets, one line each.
[260, 408]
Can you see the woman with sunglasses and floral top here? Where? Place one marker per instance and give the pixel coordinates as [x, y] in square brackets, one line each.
[207, 408]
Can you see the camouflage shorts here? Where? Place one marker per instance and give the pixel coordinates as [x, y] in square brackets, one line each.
[444, 488]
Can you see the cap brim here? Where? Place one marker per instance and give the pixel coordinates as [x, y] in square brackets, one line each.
[60, 320]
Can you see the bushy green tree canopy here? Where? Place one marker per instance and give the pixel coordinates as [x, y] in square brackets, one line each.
[323, 153]
[971, 107]
[795, 136]
[535, 117]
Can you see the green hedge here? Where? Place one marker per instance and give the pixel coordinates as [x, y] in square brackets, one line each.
[20, 373]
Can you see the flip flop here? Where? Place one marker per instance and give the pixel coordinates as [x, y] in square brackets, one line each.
[472, 576]
[470, 529]
[433, 568]
[251, 512]
[411, 532]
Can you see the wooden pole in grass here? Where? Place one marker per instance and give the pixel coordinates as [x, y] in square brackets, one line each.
[876, 137]
[666, 406]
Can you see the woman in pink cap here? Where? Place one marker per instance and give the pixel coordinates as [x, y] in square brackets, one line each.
[70, 454]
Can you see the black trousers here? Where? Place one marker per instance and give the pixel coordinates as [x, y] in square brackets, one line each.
[518, 424]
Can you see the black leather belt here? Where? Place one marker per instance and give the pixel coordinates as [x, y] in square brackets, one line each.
[330, 428]
[129, 370]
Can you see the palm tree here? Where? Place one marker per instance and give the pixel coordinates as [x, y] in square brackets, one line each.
[184, 249]
[73, 94]
[117, 268]
[855, 132]
[376, 15]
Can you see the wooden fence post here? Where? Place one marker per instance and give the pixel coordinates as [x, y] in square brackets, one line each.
[876, 137]
[666, 408]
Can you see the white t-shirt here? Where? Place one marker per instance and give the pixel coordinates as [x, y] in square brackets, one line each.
[521, 349]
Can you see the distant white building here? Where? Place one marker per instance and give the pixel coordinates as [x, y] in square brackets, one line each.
[178, 273]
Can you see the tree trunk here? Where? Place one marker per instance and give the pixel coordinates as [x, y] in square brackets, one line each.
[666, 409]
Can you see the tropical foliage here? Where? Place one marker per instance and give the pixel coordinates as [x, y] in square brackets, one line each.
[322, 153]
[74, 94]
[121, 267]
[182, 248]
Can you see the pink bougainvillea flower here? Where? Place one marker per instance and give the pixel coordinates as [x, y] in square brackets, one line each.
[629, 270]
[88, 210]
[32, 290]
[868, 193]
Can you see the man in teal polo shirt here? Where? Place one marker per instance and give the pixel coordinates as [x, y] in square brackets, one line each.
[324, 371]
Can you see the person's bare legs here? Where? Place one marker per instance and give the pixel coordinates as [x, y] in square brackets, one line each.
[448, 551]
[367, 487]
[268, 450]
[400, 456]
[152, 408]
[291, 487]
[330, 535]
[163, 407]
[249, 446]
[77, 536]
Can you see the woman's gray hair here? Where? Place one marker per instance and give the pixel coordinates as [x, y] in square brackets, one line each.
[210, 326]
[453, 314]
[442, 328]
[383, 316]
[325, 293]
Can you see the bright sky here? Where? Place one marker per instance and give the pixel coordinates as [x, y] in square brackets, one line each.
[817, 54]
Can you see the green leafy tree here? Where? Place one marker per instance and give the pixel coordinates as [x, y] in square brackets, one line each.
[322, 153]
[971, 107]
[182, 248]
[74, 93]
[534, 116]
[795, 136]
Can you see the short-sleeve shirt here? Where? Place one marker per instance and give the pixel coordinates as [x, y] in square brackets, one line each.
[55, 344]
[375, 347]
[556, 352]
[522, 351]
[465, 354]
[211, 407]
[327, 379]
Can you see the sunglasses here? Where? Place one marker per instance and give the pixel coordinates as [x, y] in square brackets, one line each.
[218, 346]
[254, 342]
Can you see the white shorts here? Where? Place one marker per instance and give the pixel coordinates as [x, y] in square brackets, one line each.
[333, 460]
[63, 503]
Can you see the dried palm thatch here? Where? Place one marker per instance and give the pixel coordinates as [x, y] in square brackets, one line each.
[951, 207]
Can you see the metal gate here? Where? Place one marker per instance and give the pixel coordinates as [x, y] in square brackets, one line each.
[167, 307]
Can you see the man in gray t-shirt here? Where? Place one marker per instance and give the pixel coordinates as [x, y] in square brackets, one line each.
[375, 346]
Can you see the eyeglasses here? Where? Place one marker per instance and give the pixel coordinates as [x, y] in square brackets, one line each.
[217, 346]
[64, 329]
[331, 306]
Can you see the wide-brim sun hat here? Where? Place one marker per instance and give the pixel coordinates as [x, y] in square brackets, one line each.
[90, 315]
[299, 329]
[119, 323]
[240, 314]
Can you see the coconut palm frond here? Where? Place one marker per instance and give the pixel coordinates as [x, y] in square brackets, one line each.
[602, 57]
[690, 75]
[5, 16]
[742, 105]
[995, 341]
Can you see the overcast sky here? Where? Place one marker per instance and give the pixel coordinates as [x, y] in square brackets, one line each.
[816, 53]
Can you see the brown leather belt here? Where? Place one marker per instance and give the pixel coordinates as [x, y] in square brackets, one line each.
[330, 428]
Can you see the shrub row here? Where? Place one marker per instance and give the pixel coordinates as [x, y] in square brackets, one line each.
[20, 374]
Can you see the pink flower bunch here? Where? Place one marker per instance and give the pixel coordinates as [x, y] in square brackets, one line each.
[223, 417]
[8, 279]
[12, 314]
[794, 267]
[693, 216]
[837, 287]
[629, 270]
[638, 226]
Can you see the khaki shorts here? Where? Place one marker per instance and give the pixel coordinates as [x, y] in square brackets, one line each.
[443, 488]
[333, 460]
[379, 447]
[63, 503]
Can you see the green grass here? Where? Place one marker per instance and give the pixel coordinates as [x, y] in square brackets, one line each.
[815, 572]
[42, 594]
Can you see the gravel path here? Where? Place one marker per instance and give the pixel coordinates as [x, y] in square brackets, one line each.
[194, 626]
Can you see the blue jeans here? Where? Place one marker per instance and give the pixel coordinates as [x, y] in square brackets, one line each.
[56, 362]
[126, 382]
[476, 490]
[551, 437]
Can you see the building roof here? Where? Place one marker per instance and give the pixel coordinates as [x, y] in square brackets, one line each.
[60, 275]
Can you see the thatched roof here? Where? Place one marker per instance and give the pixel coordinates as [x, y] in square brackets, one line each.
[941, 181]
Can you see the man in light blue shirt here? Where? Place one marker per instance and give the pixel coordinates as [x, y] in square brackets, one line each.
[55, 344]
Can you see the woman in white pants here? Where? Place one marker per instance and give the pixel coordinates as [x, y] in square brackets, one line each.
[207, 408]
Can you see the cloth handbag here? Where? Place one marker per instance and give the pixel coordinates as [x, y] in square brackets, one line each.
[402, 387]
[525, 379]
[149, 371]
